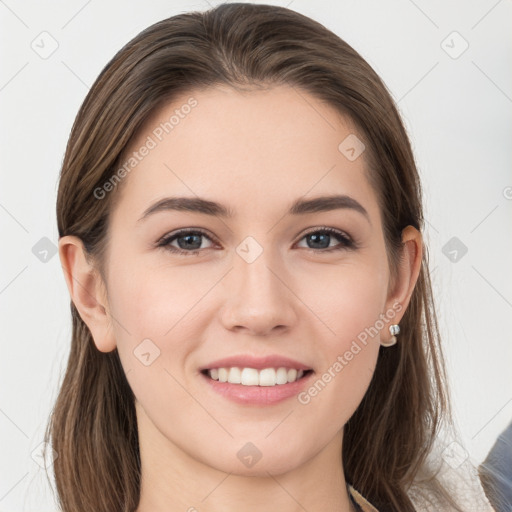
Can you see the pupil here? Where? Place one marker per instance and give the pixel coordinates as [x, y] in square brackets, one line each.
[189, 238]
[315, 240]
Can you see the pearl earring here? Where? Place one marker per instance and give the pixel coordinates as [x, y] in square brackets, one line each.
[394, 330]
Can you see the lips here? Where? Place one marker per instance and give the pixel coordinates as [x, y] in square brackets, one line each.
[258, 363]
[256, 380]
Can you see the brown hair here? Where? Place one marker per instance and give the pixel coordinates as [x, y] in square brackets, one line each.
[93, 425]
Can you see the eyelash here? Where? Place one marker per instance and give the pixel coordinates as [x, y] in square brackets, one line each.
[345, 240]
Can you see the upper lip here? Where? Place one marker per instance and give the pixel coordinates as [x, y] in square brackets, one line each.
[258, 363]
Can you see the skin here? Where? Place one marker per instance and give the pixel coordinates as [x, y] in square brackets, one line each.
[255, 152]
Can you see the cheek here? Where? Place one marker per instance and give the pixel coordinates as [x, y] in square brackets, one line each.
[351, 301]
[160, 314]
[351, 305]
[152, 301]
[155, 311]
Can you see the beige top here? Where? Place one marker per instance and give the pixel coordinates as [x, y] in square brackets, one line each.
[363, 504]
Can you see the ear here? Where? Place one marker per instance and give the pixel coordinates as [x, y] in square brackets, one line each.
[87, 291]
[407, 272]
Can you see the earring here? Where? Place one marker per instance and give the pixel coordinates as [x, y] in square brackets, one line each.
[394, 330]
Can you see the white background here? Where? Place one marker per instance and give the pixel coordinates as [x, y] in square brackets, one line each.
[458, 113]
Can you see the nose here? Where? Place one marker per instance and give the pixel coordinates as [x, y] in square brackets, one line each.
[259, 299]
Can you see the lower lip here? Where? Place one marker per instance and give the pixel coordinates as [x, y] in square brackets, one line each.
[257, 395]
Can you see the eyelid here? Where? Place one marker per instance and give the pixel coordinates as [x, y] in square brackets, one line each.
[326, 228]
[177, 232]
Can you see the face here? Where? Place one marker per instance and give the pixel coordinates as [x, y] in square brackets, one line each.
[249, 283]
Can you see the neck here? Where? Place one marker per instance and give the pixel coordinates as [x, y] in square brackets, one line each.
[173, 481]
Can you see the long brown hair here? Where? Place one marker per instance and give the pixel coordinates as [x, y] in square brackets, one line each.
[93, 425]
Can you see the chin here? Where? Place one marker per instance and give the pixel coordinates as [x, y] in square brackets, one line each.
[245, 459]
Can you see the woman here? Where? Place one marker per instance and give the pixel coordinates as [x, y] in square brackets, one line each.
[240, 224]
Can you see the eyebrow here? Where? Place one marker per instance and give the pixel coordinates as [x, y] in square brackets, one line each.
[299, 207]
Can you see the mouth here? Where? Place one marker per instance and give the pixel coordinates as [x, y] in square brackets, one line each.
[256, 380]
[265, 377]
[256, 387]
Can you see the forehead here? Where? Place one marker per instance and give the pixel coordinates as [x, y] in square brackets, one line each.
[270, 146]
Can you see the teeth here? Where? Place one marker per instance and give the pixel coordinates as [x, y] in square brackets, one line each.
[281, 376]
[249, 377]
[235, 376]
[253, 377]
[267, 377]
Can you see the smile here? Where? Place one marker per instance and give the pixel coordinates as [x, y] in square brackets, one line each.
[255, 377]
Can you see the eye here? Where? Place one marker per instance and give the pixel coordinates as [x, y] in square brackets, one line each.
[321, 238]
[189, 242]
